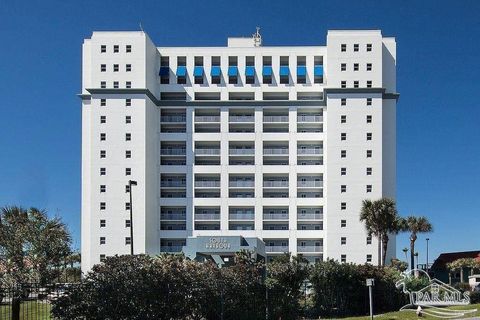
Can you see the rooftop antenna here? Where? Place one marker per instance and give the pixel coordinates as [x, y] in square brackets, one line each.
[257, 38]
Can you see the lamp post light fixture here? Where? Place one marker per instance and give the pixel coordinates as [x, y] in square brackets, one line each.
[416, 257]
[428, 239]
[130, 184]
[405, 250]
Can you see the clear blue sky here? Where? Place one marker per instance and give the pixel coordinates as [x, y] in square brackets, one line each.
[438, 79]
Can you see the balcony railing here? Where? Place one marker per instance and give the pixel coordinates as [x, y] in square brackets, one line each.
[275, 216]
[307, 216]
[173, 216]
[311, 118]
[309, 184]
[242, 151]
[179, 152]
[275, 151]
[242, 118]
[241, 184]
[207, 151]
[276, 248]
[310, 248]
[207, 118]
[275, 184]
[207, 216]
[207, 184]
[309, 151]
[173, 118]
[171, 248]
[181, 184]
[275, 118]
[241, 216]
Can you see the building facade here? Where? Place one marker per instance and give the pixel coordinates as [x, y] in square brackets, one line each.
[279, 143]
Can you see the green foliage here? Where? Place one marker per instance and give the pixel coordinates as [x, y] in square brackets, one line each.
[399, 265]
[416, 283]
[285, 282]
[462, 263]
[340, 289]
[475, 297]
[415, 225]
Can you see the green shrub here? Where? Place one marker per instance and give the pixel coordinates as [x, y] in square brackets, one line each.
[475, 297]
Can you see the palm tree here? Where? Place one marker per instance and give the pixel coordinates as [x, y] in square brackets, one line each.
[415, 225]
[381, 219]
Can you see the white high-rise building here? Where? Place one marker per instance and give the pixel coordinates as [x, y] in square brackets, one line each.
[280, 143]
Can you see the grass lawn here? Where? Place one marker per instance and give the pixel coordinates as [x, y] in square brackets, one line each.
[412, 315]
[28, 310]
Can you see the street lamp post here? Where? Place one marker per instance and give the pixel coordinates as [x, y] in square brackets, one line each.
[416, 257]
[130, 184]
[427, 255]
[405, 250]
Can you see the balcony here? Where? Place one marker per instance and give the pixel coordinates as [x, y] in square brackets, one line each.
[309, 118]
[241, 152]
[173, 118]
[309, 184]
[242, 184]
[242, 118]
[207, 216]
[241, 216]
[275, 151]
[304, 249]
[207, 152]
[171, 249]
[207, 118]
[172, 184]
[173, 152]
[309, 216]
[207, 184]
[278, 249]
[275, 184]
[275, 216]
[173, 216]
[312, 150]
[275, 119]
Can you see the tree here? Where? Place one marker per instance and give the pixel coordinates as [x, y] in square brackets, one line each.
[381, 219]
[460, 264]
[33, 247]
[285, 278]
[415, 225]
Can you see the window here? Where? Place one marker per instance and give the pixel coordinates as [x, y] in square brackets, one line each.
[128, 102]
[128, 68]
[181, 62]
[369, 240]
[102, 240]
[369, 171]
[343, 47]
[356, 84]
[284, 78]
[127, 224]
[343, 136]
[128, 154]
[301, 67]
[102, 258]
[103, 154]
[343, 102]
[369, 47]
[343, 258]
[356, 67]
[128, 171]
[343, 171]
[343, 223]
[103, 102]
[116, 48]
[103, 206]
[343, 206]
[216, 78]
[343, 154]
[369, 258]
[369, 83]
[343, 67]
[103, 68]
[103, 119]
[103, 188]
[103, 48]
[198, 78]
[369, 188]
[128, 119]
[115, 68]
[115, 84]
[128, 240]
[355, 47]
[103, 136]
[164, 70]
[369, 136]
[128, 84]
[343, 241]
[369, 118]
[128, 48]
[103, 171]
[127, 188]
[267, 63]
[232, 62]
[343, 119]
[343, 188]
[369, 153]
[343, 84]
[369, 67]
[127, 205]
[128, 136]
[369, 101]
[103, 84]
[103, 223]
